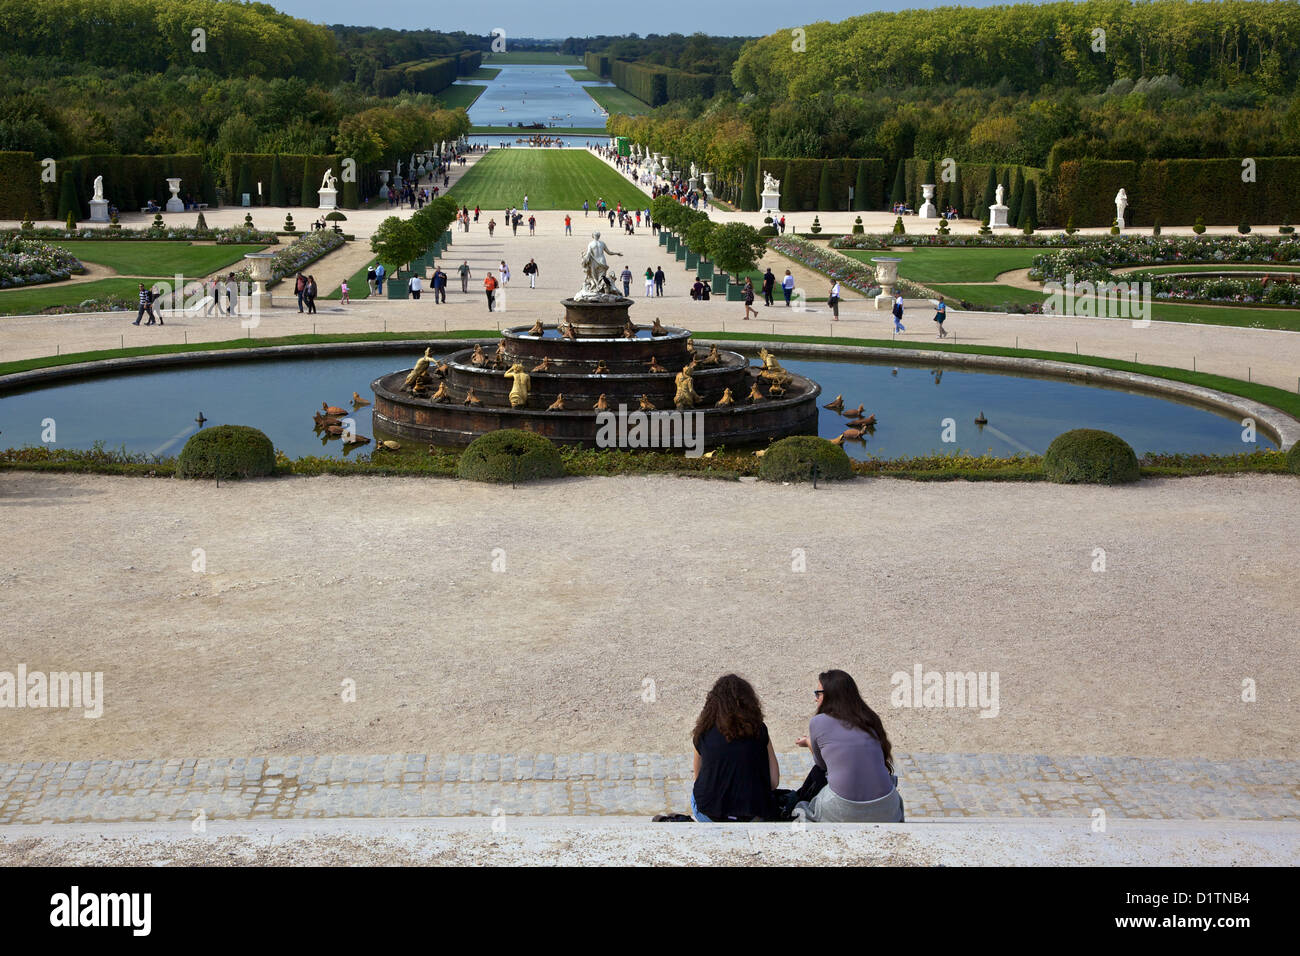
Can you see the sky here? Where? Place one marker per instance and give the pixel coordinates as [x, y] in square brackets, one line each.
[547, 18]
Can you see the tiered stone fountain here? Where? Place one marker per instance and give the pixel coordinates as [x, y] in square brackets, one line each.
[595, 351]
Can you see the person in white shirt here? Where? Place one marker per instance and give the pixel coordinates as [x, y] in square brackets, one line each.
[787, 287]
[833, 300]
[504, 272]
[416, 285]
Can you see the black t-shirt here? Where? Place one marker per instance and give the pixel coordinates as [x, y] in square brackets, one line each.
[734, 779]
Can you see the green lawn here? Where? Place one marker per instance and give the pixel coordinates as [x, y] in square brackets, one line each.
[552, 179]
[616, 100]
[482, 73]
[358, 288]
[929, 265]
[458, 96]
[33, 300]
[1243, 316]
[143, 258]
[584, 75]
[526, 58]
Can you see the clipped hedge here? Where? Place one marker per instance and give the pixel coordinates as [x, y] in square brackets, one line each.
[20, 193]
[1293, 459]
[131, 181]
[512, 455]
[1090, 456]
[1176, 192]
[967, 191]
[801, 181]
[227, 451]
[793, 458]
[300, 173]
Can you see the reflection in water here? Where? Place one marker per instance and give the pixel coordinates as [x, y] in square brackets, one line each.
[155, 412]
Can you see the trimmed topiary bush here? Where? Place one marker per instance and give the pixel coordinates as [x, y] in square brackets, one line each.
[792, 459]
[1293, 459]
[899, 229]
[1244, 227]
[227, 451]
[512, 455]
[858, 227]
[1199, 226]
[1089, 456]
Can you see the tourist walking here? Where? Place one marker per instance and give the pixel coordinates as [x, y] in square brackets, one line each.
[309, 294]
[568, 225]
[532, 225]
[787, 287]
[898, 314]
[626, 276]
[531, 271]
[659, 280]
[851, 749]
[492, 225]
[232, 295]
[941, 313]
[769, 281]
[833, 300]
[343, 292]
[735, 764]
[415, 285]
[649, 281]
[748, 296]
[463, 272]
[146, 306]
[503, 273]
[299, 285]
[379, 278]
[439, 286]
[211, 296]
[370, 280]
[490, 287]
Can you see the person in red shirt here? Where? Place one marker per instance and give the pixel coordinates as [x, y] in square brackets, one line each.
[568, 226]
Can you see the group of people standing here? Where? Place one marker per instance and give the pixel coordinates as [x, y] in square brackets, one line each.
[737, 776]
[304, 287]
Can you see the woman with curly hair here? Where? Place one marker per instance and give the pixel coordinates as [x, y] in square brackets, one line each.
[735, 763]
[849, 743]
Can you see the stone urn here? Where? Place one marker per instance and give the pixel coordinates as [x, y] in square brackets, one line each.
[928, 210]
[174, 204]
[708, 185]
[887, 276]
[259, 267]
[383, 177]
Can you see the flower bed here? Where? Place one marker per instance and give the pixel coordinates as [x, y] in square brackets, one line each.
[1267, 291]
[848, 271]
[299, 254]
[27, 262]
[235, 235]
[1095, 257]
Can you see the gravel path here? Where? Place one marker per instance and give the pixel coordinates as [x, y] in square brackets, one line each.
[612, 583]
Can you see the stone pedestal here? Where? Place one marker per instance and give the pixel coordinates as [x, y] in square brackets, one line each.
[771, 201]
[99, 210]
[174, 204]
[887, 276]
[259, 267]
[998, 216]
[928, 210]
[329, 199]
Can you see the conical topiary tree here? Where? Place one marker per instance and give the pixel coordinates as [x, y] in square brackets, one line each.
[1029, 206]
[310, 186]
[1015, 197]
[244, 183]
[789, 200]
[825, 198]
[749, 188]
[1006, 185]
[861, 201]
[69, 207]
[956, 198]
[348, 197]
[899, 192]
[277, 183]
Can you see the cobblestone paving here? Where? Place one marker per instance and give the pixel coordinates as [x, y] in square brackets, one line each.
[444, 785]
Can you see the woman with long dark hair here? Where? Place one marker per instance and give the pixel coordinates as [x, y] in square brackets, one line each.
[735, 763]
[848, 742]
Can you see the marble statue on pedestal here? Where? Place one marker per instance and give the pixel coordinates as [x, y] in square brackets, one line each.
[596, 283]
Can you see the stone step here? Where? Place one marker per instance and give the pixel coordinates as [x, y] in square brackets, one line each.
[934, 786]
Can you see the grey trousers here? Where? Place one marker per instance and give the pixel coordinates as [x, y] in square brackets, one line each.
[830, 807]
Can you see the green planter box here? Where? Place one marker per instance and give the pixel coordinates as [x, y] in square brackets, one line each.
[396, 285]
[704, 270]
[663, 238]
[735, 291]
[720, 281]
[692, 260]
[682, 252]
[672, 244]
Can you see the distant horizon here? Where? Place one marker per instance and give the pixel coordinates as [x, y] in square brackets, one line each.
[527, 19]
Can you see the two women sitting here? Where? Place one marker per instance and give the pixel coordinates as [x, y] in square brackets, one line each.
[736, 771]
